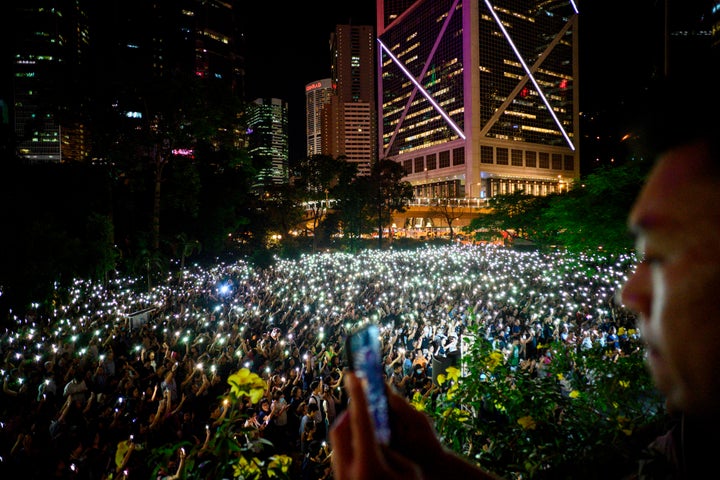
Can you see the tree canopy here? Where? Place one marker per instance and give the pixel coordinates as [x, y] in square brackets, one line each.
[591, 216]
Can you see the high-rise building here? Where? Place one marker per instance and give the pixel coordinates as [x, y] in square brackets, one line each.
[693, 37]
[317, 97]
[268, 139]
[217, 43]
[479, 98]
[77, 59]
[136, 40]
[352, 117]
[49, 68]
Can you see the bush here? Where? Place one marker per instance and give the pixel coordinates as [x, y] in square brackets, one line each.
[586, 414]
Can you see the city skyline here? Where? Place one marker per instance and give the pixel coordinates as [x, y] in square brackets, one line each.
[615, 51]
[621, 47]
[268, 60]
[285, 52]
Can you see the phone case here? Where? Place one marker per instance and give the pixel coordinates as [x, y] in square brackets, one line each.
[364, 358]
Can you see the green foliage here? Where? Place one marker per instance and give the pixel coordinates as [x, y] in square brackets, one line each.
[355, 212]
[282, 209]
[591, 217]
[232, 448]
[389, 192]
[515, 211]
[587, 414]
[102, 255]
[315, 177]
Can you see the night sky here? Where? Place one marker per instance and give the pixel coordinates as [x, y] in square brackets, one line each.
[288, 48]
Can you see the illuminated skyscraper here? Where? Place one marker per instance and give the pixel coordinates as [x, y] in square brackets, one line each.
[479, 98]
[268, 139]
[77, 59]
[49, 67]
[317, 97]
[352, 117]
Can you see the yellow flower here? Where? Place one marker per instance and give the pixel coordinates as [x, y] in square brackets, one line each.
[247, 470]
[245, 383]
[278, 464]
[527, 422]
[560, 376]
[494, 360]
[451, 391]
[624, 383]
[457, 414]
[453, 373]
[418, 402]
[624, 425]
[122, 448]
[574, 394]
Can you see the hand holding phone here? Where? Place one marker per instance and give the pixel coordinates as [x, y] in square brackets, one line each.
[364, 358]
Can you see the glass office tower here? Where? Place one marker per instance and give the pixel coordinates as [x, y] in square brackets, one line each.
[479, 98]
[268, 137]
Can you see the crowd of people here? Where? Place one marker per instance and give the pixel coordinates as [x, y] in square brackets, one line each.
[676, 223]
[92, 386]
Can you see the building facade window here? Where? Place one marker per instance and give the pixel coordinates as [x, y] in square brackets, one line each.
[501, 156]
[459, 156]
[531, 159]
[444, 159]
[431, 161]
[407, 166]
[544, 160]
[486, 154]
[557, 161]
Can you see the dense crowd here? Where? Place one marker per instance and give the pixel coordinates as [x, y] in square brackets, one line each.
[93, 386]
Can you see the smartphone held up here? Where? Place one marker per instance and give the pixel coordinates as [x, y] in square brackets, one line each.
[364, 358]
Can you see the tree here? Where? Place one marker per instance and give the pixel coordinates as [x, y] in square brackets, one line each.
[390, 193]
[227, 203]
[172, 158]
[590, 416]
[515, 211]
[593, 214]
[355, 210]
[448, 210]
[186, 248]
[281, 215]
[315, 177]
[589, 217]
[102, 254]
